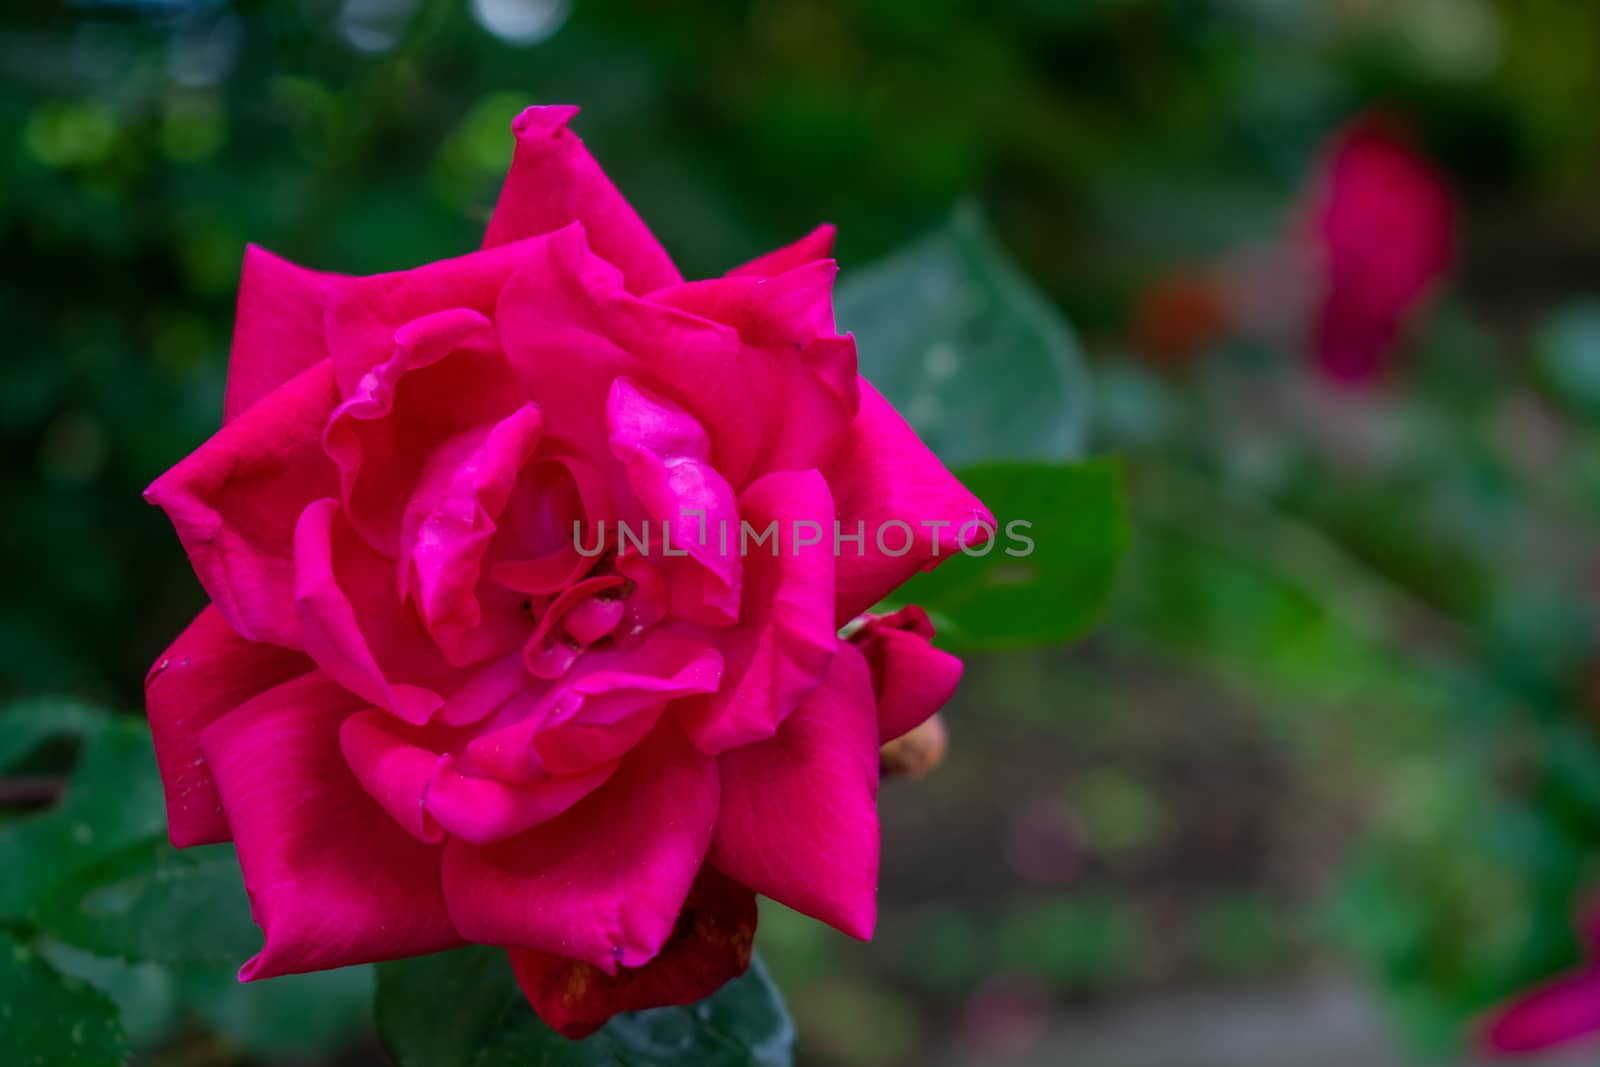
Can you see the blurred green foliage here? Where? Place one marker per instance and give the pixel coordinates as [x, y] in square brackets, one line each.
[111, 938]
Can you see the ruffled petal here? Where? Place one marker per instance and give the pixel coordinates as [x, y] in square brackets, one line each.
[410, 771]
[906, 507]
[910, 678]
[483, 690]
[235, 501]
[609, 701]
[786, 398]
[208, 671]
[604, 882]
[333, 880]
[780, 648]
[783, 310]
[799, 817]
[668, 459]
[364, 313]
[447, 376]
[572, 329]
[485, 810]
[277, 328]
[353, 622]
[555, 181]
[448, 529]
[602, 714]
[818, 244]
[560, 505]
[394, 766]
[710, 945]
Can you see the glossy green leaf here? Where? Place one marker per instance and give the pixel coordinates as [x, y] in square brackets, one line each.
[50, 1020]
[145, 995]
[1567, 357]
[25, 726]
[112, 801]
[967, 349]
[486, 1022]
[153, 902]
[1048, 571]
[293, 1017]
[422, 1027]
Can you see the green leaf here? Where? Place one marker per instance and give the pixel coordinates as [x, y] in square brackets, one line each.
[113, 800]
[145, 995]
[1567, 358]
[437, 1009]
[153, 902]
[51, 1020]
[485, 1021]
[1017, 593]
[293, 1017]
[964, 346]
[26, 725]
[744, 1023]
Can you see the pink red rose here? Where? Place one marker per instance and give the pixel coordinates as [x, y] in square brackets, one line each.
[426, 717]
[1382, 223]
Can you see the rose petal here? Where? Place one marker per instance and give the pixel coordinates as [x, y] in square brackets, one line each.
[447, 532]
[896, 494]
[604, 882]
[596, 713]
[333, 880]
[235, 500]
[360, 643]
[447, 376]
[799, 818]
[364, 313]
[780, 648]
[277, 328]
[710, 945]
[486, 688]
[614, 692]
[557, 515]
[910, 678]
[784, 310]
[483, 810]
[410, 771]
[395, 766]
[572, 329]
[786, 398]
[818, 244]
[668, 459]
[208, 671]
[555, 181]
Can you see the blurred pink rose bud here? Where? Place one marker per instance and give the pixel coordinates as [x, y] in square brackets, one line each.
[1381, 222]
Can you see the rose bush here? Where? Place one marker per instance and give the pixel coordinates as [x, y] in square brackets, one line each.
[438, 699]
